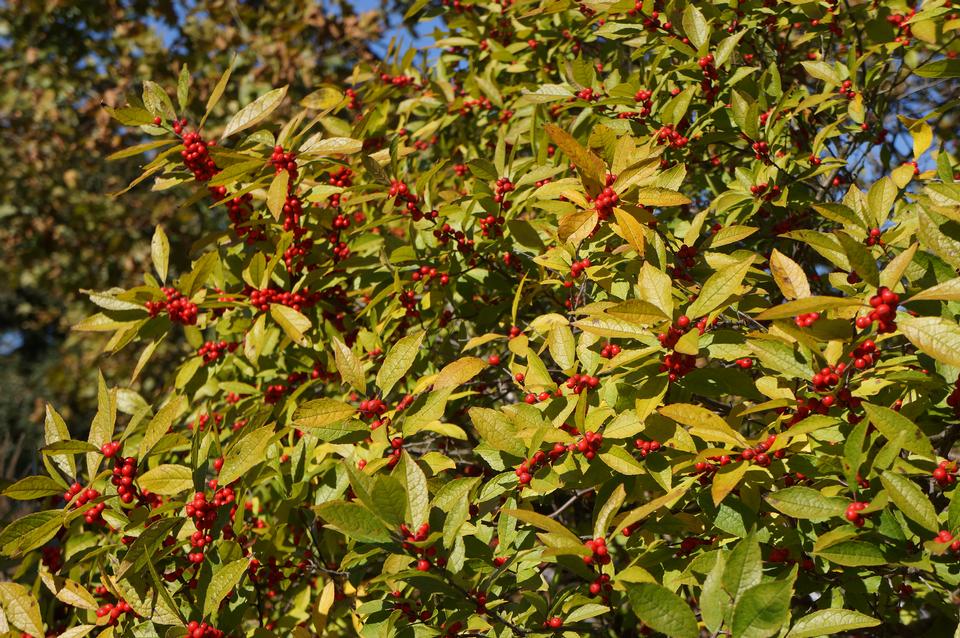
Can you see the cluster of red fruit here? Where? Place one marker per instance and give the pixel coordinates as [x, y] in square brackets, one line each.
[884, 311]
[202, 630]
[828, 377]
[204, 515]
[525, 470]
[395, 451]
[372, 408]
[576, 269]
[765, 190]
[84, 496]
[179, 308]
[124, 472]
[588, 94]
[758, 453]
[846, 89]
[874, 238]
[643, 97]
[607, 198]
[610, 350]
[709, 77]
[427, 273]
[677, 364]
[806, 320]
[196, 155]
[491, 226]
[761, 151]
[341, 178]
[689, 544]
[113, 612]
[261, 299]
[782, 555]
[446, 232]
[646, 447]
[853, 512]
[945, 473]
[580, 382]
[685, 259]
[669, 135]
[706, 469]
[211, 351]
[503, 186]
[862, 355]
[598, 552]
[425, 553]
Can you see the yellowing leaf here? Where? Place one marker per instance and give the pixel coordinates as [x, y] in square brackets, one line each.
[805, 305]
[398, 361]
[277, 194]
[789, 276]
[935, 336]
[656, 197]
[349, 367]
[719, 287]
[458, 372]
[294, 323]
[255, 112]
[702, 423]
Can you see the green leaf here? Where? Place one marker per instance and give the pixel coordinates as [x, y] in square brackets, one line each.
[806, 503]
[719, 287]
[245, 454]
[880, 199]
[398, 360]
[167, 479]
[911, 500]
[21, 608]
[827, 622]
[183, 87]
[805, 305]
[893, 425]
[293, 322]
[703, 423]
[695, 26]
[744, 568]
[322, 99]
[160, 424]
[496, 431]
[255, 112]
[101, 428]
[714, 601]
[662, 610]
[32, 487]
[29, 532]
[853, 554]
[389, 500]
[225, 578]
[621, 462]
[860, 258]
[608, 509]
[354, 521]
[945, 68]
[160, 252]
[656, 197]
[54, 431]
[157, 101]
[935, 336]
[763, 609]
[348, 365]
[415, 483]
[543, 522]
[821, 70]
[277, 194]
[458, 372]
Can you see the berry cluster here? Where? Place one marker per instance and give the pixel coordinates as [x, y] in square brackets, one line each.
[124, 471]
[863, 355]
[261, 299]
[196, 156]
[945, 473]
[576, 269]
[427, 273]
[806, 320]
[874, 238]
[110, 448]
[686, 258]
[580, 382]
[643, 97]
[395, 451]
[765, 190]
[689, 544]
[610, 350]
[846, 90]
[84, 496]
[706, 469]
[202, 630]
[853, 512]
[646, 447]
[884, 311]
[828, 377]
[588, 445]
[758, 453]
[709, 77]
[113, 612]
[464, 245]
[761, 151]
[503, 186]
[178, 307]
[677, 364]
[525, 470]
[671, 136]
[211, 351]
[491, 226]
[607, 199]
[598, 552]
[425, 553]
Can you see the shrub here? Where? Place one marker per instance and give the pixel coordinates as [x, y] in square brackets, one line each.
[612, 318]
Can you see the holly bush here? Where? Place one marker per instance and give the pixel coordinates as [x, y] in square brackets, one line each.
[613, 318]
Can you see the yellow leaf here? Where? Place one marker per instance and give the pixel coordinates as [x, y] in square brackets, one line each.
[789, 276]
